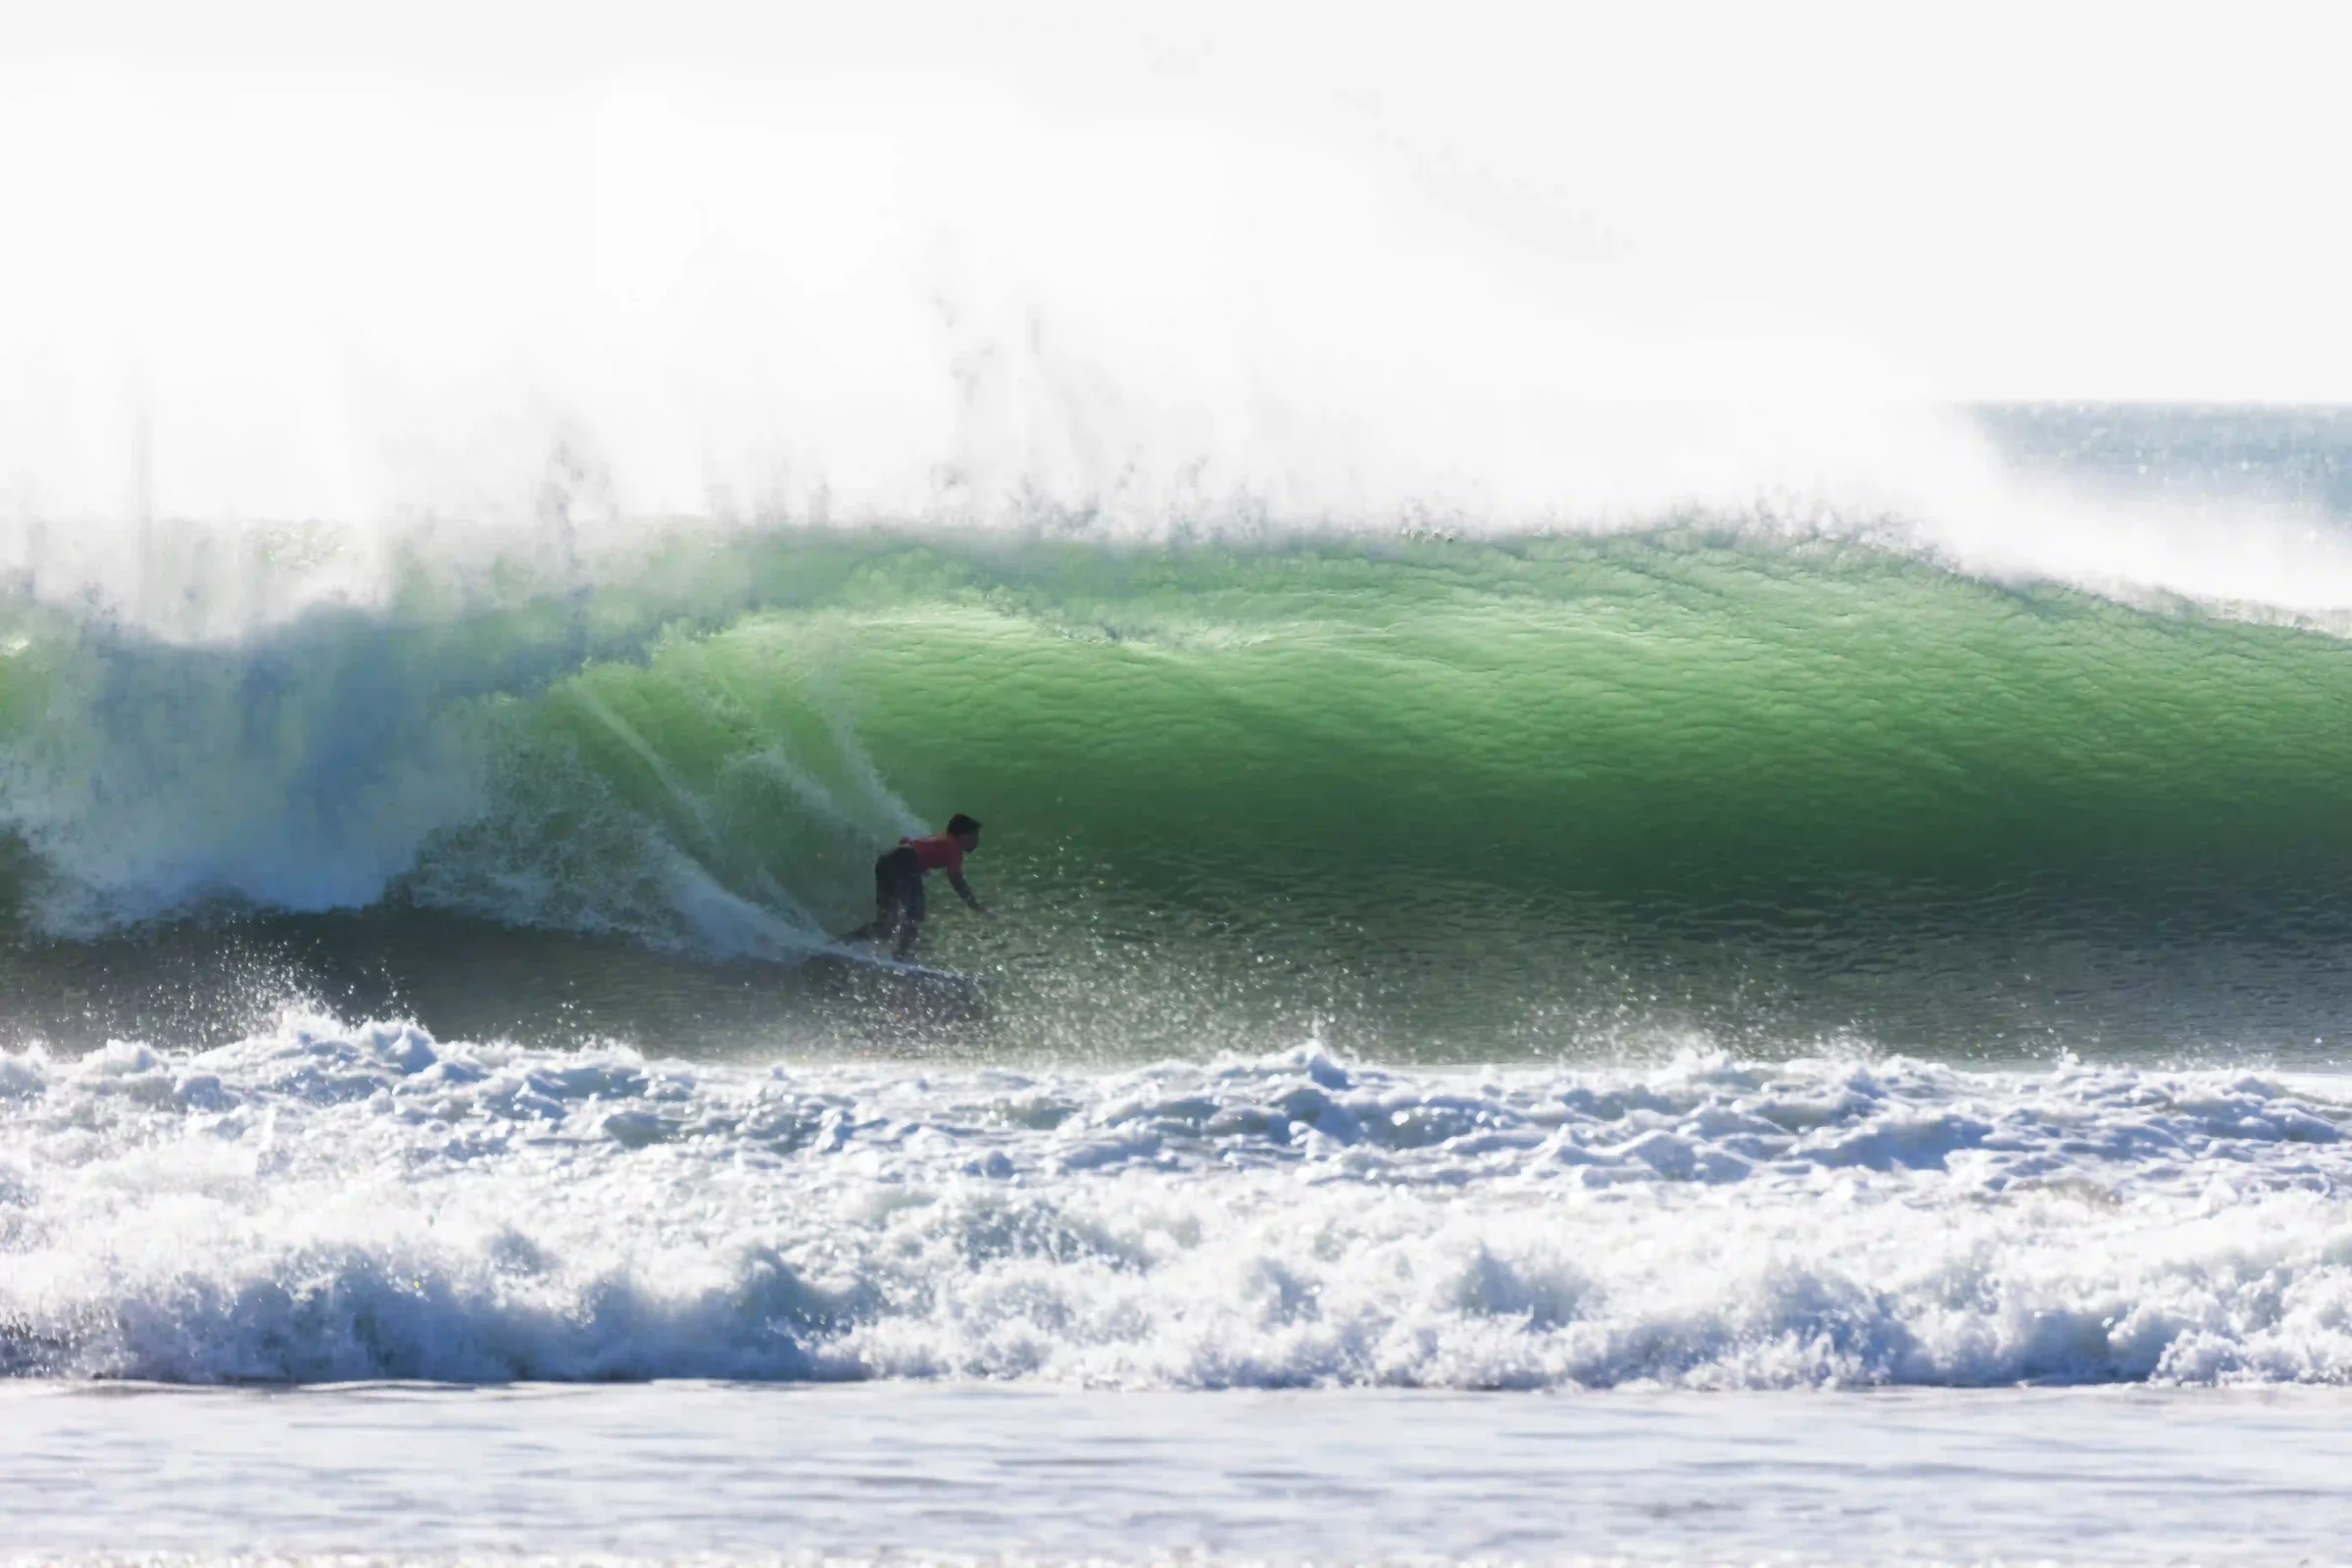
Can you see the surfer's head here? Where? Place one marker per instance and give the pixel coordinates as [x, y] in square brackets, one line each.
[965, 831]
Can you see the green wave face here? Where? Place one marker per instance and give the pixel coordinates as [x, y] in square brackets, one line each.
[1455, 794]
[1445, 796]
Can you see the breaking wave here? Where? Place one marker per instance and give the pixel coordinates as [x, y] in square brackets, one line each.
[326, 1202]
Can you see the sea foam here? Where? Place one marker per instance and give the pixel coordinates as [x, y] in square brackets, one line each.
[329, 1203]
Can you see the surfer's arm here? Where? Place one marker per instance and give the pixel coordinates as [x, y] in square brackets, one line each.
[964, 891]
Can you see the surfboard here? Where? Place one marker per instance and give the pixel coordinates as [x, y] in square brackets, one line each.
[942, 993]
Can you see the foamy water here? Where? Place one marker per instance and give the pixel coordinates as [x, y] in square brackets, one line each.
[331, 1203]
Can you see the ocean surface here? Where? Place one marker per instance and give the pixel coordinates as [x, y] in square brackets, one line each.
[966, 1475]
[1802, 1025]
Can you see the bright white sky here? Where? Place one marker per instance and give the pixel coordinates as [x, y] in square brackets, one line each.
[1989, 200]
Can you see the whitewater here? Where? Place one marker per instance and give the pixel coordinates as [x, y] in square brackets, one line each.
[338, 1205]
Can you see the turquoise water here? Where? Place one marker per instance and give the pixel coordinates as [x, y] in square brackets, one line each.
[1451, 796]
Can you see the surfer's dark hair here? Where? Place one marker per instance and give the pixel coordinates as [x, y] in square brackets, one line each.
[961, 824]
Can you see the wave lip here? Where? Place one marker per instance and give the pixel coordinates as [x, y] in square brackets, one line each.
[331, 1203]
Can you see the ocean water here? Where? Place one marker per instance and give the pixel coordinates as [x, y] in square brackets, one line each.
[1804, 1024]
[712, 1473]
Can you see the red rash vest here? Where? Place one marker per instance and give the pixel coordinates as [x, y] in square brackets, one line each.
[937, 852]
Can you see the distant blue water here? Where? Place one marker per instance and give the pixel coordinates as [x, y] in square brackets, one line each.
[2295, 456]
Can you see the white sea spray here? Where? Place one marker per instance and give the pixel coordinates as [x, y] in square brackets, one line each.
[330, 1202]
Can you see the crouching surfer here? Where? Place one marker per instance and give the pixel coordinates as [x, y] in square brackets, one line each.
[899, 883]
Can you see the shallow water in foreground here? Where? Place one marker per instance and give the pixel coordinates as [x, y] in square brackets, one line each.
[723, 1473]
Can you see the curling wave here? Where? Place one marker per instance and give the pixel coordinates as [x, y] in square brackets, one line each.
[1518, 777]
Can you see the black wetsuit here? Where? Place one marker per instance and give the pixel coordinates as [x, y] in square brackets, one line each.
[899, 887]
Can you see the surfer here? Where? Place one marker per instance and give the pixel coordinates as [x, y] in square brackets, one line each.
[899, 883]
